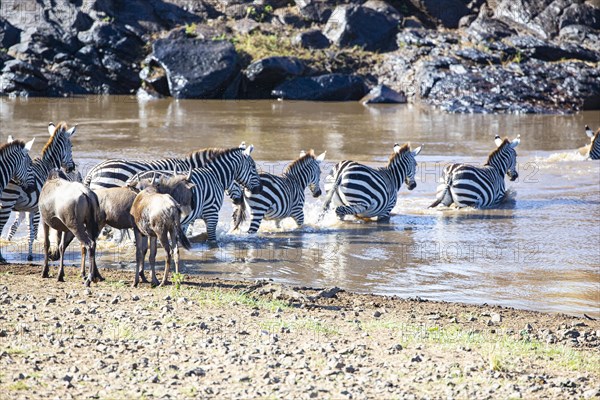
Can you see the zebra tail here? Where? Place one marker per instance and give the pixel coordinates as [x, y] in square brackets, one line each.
[443, 193]
[330, 195]
[239, 214]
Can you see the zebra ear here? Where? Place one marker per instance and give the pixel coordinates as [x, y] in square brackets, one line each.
[51, 128]
[321, 157]
[498, 141]
[243, 145]
[396, 147]
[589, 132]
[249, 150]
[515, 142]
[71, 131]
[417, 151]
[29, 144]
[10, 139]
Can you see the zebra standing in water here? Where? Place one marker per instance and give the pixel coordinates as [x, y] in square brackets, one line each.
[594, 153]
[480, 187]
[226, 166]
[57, 153]
[283, 196]
[365, 192]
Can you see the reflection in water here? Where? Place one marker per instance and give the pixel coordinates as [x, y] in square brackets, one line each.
[539, 250]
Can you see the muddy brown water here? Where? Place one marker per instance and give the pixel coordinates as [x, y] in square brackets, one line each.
[540, 250]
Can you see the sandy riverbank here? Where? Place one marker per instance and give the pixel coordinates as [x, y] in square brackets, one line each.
[212, 338]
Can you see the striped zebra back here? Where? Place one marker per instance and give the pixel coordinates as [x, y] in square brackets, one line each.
[594, 152]
[15, 163]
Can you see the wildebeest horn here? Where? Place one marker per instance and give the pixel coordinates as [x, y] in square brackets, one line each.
[153, 181]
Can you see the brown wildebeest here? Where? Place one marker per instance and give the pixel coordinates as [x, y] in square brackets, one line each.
[72, 209]
[157, 216]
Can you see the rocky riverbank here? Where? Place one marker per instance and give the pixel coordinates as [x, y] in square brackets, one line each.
[464, 56]
[210, 338]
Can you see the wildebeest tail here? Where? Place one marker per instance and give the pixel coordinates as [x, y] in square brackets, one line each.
[95, 215]
[239, 213]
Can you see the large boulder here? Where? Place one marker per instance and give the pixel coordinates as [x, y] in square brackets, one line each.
[382, 94]
[312, 39]
[330, 87]
[9, 35]
[263, 75]
[315, 10]
[352, 25]
[196, 68]
[445, 12]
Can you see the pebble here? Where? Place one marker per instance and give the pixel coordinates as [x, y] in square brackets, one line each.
[115, 300]
[377, 314]
[496, 318]
[416, 358]
[50, 300]
[135, 297]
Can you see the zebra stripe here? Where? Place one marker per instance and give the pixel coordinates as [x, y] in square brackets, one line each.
[15, 163]
[594, 152]
[469, 186]
[226, 167]
[283, 196]
[356, 189]
[116, 172]
[56, 153]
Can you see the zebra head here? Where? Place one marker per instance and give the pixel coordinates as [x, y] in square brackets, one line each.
[308, 169]
[23, 174]
[247, 175]
[505, 156]
[59, 148]
[408, 164]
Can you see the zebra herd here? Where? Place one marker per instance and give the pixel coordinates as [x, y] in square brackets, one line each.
[352, 188]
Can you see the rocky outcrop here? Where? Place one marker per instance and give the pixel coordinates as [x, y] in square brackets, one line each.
[381, 94]
[460, 55]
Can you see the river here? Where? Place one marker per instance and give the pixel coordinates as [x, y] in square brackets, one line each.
[540, 250]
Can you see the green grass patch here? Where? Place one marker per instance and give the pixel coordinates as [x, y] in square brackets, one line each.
[18, 385]
[217, 297]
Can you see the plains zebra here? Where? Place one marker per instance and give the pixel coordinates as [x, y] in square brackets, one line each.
[15, 163]
[366, 192]
[226, 167]
[57, 153]
[283, 196]
[594, 152]
[116, 172]
[480, 187]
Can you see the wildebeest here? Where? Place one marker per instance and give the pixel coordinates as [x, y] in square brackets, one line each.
[72, 209]
[157, 216]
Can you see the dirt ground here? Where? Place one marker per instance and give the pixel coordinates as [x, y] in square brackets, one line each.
[209, 338]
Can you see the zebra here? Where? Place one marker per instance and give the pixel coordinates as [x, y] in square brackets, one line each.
[480, 187]
[56, 153]
[15, 163]
[226, 167]
[283, 196]
[594, 153]
[365, 192]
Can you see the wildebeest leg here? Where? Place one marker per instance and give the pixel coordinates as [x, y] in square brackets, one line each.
[139, 256]
[144, 250]
[46, 231]
[83, 256]
[152, 259]
[61, 249]
[164, 240]
[92, 270]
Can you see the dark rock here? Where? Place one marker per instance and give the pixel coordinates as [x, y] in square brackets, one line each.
[477, 56]
[286, 17]
[414, 37]
[9, 35]
[155, 79]
[351, 25]
[483, 29]
[331, 87]
[382, 94]
[196, 68]
[447, 12]
[315, 10]
[313, 39]
[547, 51]
[263, 75]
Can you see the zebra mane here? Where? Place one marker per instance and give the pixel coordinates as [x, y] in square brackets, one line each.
[14, 143]
[498, 150]
[395, 155]
[213, 152]
[299, 162]
[59, 127]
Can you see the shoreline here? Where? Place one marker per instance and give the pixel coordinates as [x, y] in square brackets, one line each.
[207, 337]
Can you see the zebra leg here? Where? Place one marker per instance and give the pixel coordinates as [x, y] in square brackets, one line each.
[4, 215]
[13, 228]
[34, 223]
[46, 230]
[257, 217]
[355, 209]
[211, 221]
[152, 260]
[298, 216]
